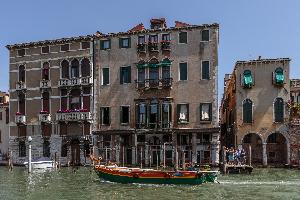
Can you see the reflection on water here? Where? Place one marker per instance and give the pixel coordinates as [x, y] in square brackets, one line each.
[84, 184]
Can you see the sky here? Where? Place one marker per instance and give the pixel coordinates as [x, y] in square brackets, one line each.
[248, 28]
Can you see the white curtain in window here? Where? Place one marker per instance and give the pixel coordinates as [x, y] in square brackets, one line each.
[205, 112]
[183, 112]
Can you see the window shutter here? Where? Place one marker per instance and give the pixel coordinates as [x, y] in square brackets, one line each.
[109, 119]
[129, 42]
[101, 44]
[121, 75]
[109, 42]
[129, 74]
[101, 116]
[121, 114]
[253, 79]
[137, 116]
[188, 113]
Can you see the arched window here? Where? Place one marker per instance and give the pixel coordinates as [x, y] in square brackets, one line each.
[247, 79]
[278, 110]
[85, 67]
[75, 68]
[46, 149]
[45, 97]
[45, 71]
[65, 69]
[75, 100]
[247, 111]
[279, 77]
[22, 73]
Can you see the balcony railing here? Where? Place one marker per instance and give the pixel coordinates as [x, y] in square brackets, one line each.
[45, 118]
[20, 85]
[45, 84]
[20, 119]
[141, 48]
[154, 83]
[74, 116]
[154, 125]
[75, 81]
[153, 46]
[166, 45]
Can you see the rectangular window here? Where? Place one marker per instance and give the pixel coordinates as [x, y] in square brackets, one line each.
[21, 52]
[205, 70]
[166, 115]
[104, 44]
[86, 103]
[105, 76]
[205, 35]
[183, 37]
[125, 75]
[22, 149]
[124, 43]
[105, 115]
[153, 38]
[124, 115]
[166, 37]
[183, 71]
[141, 39]
[7, 115]
[64, 103]
[205, 112]
[141, 110]
[65, 47]
[0, 115]
[45, 49]
[85, 45]
[183, 113]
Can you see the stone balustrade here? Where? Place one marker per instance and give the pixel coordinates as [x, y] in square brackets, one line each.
[20, 119]
[74, 116]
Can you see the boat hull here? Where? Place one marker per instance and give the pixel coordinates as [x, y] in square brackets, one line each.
[156, 177]
[40, 165]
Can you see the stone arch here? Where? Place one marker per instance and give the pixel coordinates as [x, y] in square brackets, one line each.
[277, 148]
[253, 141]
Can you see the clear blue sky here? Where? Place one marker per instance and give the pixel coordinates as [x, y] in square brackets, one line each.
[248, 28]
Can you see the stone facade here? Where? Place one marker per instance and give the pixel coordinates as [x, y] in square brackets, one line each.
[4, 128]
[267, 132]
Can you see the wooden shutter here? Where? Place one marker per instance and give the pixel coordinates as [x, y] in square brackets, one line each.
[121, 75]
[120, 42]
[279, 110]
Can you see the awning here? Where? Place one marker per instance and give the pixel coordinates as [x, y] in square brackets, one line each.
[166, 63]
[141, 65]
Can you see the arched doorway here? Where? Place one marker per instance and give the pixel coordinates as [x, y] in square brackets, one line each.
[276, 149]
[75, 152]
[254, 141]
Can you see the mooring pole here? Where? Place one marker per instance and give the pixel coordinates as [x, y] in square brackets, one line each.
[164, 151]
[29, 154]
[141, 157]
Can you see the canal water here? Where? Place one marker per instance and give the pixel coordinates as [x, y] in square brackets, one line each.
[84, 184]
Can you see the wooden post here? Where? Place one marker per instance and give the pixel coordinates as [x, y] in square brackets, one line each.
[141, 160]
[10, 163]
[123, 155]
[55, 161]
[250, 155]
[176, 159]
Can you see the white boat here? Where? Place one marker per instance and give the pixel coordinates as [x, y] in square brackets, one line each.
[41, 164]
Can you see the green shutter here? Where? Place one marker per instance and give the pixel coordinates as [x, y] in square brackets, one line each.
[247, 111]
[188, 113]
[121, 75]
[101, 44]
[279, 110]
[205, 69]
[129, 74]
[279, 77]
[210, 112]
[248, 80]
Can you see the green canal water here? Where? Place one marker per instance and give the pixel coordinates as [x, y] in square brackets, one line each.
[84, 184]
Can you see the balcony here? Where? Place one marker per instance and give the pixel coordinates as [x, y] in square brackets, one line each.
[165, 45]
[154, 125]
[141, 48]
[86, 80]
[74, 116]
[45, 118]
[20, 85]
[154, 83]
[20, 119]
[63, 82]
[153, 46]
[75, 81]
[44, 84]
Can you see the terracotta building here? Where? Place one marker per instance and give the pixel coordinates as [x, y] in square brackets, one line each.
[51, 89]
[4, 121]
[254, 110]
[156, 98]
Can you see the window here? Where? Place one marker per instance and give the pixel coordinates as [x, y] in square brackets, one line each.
[64, 149]
[279, 77]
[105, 76]
[183, 71]
[247, 79]
[205, 112]
[183, 37]
[45, 71]
[154, 113]
[85, 67]
[124, 42]
[21, 52]
[183, 113]
[75, 99]
[45, 49]
[104, 44]
[22, 149]
[141, 75]
[125, 75]
[46, 129]
[46, 149]
[65, 69]
[1, 116]
[205, 70]
[45, 97]
[124, 115]
[153, 77]
[142, 114]
[86, 102]
[153, 38]
[298, 99]
[141, 39]
[105, 115]
[75, 68]
[63, 99]
[22, 73]
[165, 37]
[278, 110]
[141, 138]
[205, 35]
[247, 111]
[85, 45]
[65, 47]
[22, 103]
[166, 114]
[166, 72]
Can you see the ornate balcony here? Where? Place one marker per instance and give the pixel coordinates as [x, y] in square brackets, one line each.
[153, 46]
[141, 48]
[45, 117]
[154, 83]
[75, 81]
[20, 85]
[44, 84]
[63, 82]
[74, 116]
[86, 80]
[20, 119]
[166, 45]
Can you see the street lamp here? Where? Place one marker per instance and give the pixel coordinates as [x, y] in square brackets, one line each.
[29, 154]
